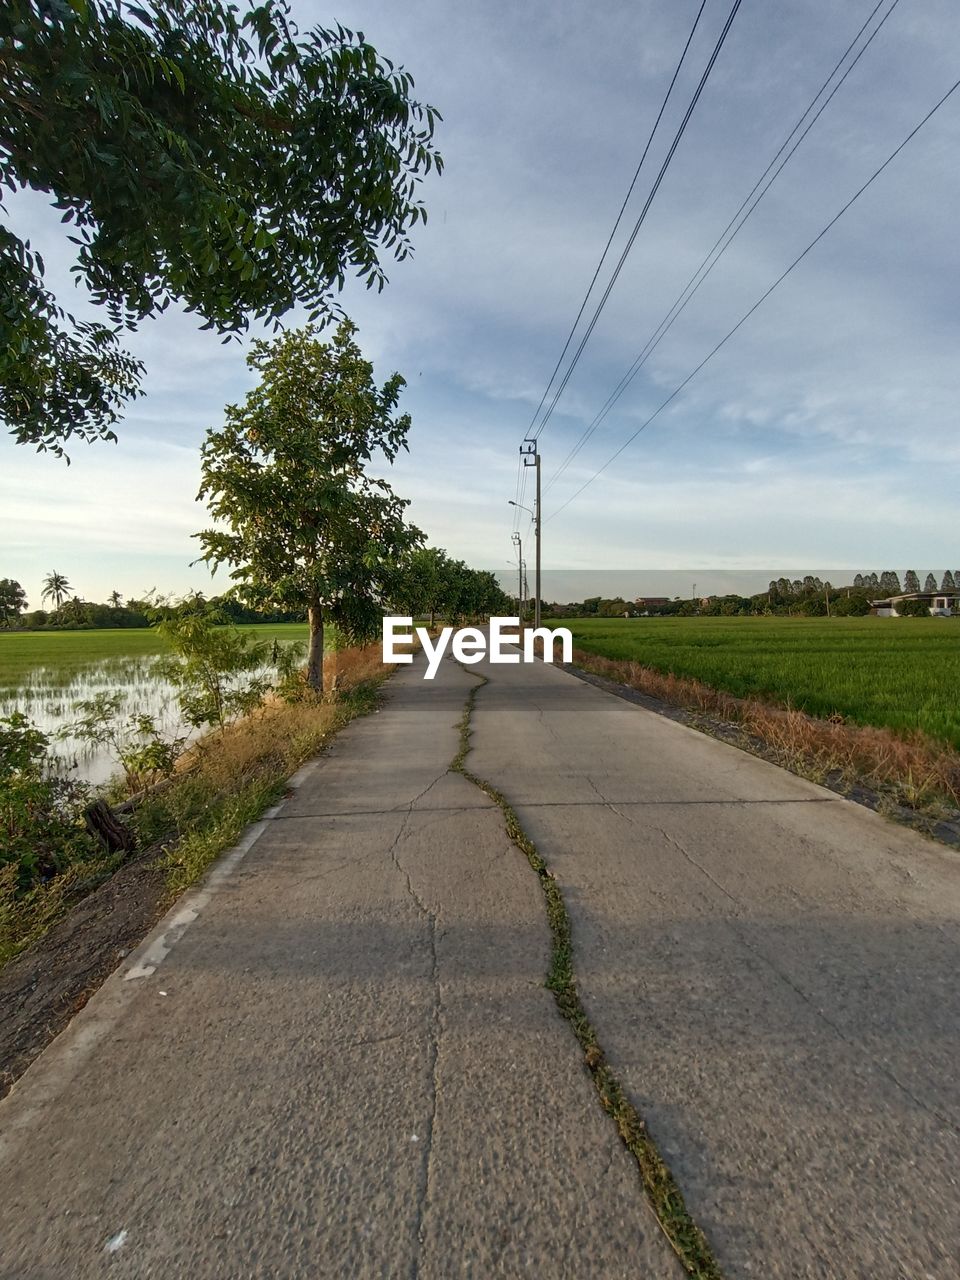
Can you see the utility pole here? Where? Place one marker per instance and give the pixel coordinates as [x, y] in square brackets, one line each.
[531, 458]
[519, 545]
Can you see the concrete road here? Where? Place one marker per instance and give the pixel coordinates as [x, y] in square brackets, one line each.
[773, 971]
[337, 1060]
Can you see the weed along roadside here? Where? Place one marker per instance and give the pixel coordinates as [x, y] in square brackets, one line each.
[60, 938]
[911, 778]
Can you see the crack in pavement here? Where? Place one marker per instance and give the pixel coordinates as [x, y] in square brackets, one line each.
[607, 804]
[436, 1032]
[658, 1184]
[774, 968]
[374, 813]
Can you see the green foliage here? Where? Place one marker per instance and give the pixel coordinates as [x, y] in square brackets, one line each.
[431, 583]
[913, 609]
[901, 674]
[55, 588]
[218, 670]
[137, 744]
[299, 518]
[13, 600]
[200, 154]
[40, 816]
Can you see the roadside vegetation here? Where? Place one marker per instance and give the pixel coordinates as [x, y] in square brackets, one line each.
[896, 673]
[60, 655]
[181, 806]
[870, 700]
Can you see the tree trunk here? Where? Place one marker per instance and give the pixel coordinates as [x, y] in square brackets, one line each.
[101, 821]
[315, 651]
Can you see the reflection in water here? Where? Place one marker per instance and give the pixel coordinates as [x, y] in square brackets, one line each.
[50, 696]
[49, 702]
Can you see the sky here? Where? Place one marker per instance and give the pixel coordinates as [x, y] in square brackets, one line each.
[824, 433]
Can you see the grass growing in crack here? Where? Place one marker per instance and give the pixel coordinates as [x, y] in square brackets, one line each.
[666, 1198]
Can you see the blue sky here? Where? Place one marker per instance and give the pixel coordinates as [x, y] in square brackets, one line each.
[824, 434]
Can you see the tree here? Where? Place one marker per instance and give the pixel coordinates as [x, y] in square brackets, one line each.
[115, 599]
[304, 523]
[948, 583]
[55, 588]
[425, 584]
[13, 600]
[218, 671]
[890, 582]
[858, 581]
[913, 609]
[910, 581]
[930, 583]
[220, 159]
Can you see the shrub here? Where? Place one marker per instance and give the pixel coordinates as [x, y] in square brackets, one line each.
[41, 829]
[913, 609]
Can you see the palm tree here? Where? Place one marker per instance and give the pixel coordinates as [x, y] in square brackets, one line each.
[115, 599]
[55, 588]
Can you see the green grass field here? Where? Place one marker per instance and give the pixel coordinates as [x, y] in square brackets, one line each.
[903, 673]
[69, 652]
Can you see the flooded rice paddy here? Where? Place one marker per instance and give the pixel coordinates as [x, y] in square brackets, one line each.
[45, 674]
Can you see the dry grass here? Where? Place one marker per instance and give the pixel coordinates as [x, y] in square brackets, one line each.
[280, 735]
[914, 769]
[223, 783]
[228, 779]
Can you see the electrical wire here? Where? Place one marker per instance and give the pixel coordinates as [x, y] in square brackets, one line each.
[724, 240]
[619, 219]
[640, 220]
[763, 297]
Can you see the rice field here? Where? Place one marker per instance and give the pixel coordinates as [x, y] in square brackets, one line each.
[899, 673]
[44, 674]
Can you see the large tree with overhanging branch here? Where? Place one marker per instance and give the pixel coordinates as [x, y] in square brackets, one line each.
[301, 521]
[202, 153]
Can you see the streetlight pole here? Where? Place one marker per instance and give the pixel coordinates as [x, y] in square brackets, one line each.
[519, 545]
[531, 458]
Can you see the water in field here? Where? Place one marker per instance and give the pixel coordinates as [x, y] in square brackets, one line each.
[50, 699]
[44, 677]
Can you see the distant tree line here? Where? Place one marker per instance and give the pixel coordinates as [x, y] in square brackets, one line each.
[68, 611]
[433, 586]
[800, 597]
[888, 583]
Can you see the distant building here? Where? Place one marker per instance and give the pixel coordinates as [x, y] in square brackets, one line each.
[651, 602]
[941, 604]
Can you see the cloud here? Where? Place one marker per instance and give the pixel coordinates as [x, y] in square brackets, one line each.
[824, 431]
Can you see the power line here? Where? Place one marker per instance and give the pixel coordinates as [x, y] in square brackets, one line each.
[626, 200]
[724, 241]
[744, 318]
[520, 488]
[643, 213]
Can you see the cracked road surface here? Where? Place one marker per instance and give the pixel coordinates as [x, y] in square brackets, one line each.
[771, 970]
[346, 1065]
